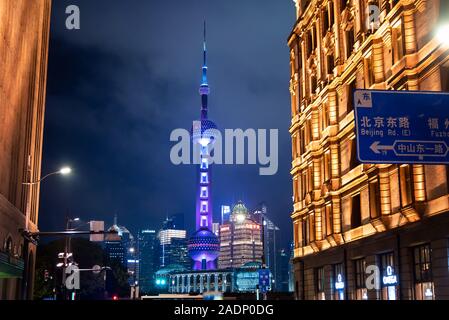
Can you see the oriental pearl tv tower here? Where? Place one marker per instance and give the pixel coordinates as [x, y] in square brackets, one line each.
[204, 245]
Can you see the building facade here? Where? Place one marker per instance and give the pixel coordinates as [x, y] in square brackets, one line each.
[236, 280]
[270, 240]
[148, 253]
[240, 239]
[24, 34]
[173, 248]
[349, 216]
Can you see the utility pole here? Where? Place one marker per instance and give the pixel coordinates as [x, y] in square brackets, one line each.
[66, 248]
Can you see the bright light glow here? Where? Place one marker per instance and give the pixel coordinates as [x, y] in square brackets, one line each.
[59, 265]
[76, 219]
[65, 170]
[443, 34]
[240, 217]
[132, 250]
[204, 141]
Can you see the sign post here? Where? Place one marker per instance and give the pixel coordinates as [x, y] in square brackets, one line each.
[402, 126]
[264, 280]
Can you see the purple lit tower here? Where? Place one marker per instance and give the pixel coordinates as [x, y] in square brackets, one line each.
[204, 245]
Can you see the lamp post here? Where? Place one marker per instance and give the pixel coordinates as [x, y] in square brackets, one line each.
[26, 231]
[67, 251]
[134, 285]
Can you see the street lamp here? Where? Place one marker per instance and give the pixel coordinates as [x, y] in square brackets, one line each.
[63, 171]
[30, 184]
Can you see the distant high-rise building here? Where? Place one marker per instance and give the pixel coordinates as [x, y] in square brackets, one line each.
[270, 242]
[225, 213]
[117, 246]
[283, 279]
[173, 247]
[148, 253]
[240, 239]
[216, 228]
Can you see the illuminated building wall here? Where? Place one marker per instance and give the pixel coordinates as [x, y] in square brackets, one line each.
[240, 240]
[173, 248]
[348, 215]
[24, 36]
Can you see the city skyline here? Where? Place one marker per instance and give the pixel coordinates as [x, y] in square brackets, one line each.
[139, 183]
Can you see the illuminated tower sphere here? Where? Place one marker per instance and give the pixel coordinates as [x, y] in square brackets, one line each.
[204, 245]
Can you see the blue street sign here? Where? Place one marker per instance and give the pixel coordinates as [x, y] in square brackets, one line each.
[402, 126]
[264, 279]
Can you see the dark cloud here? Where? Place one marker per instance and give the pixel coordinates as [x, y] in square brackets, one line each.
[118, 86]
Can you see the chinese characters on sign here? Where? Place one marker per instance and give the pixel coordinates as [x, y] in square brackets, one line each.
[402, 126]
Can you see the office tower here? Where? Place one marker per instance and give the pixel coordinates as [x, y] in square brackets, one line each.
[240, 239]
[216, 229]
[225, 213]
[173, 247]
[148, 249]
[270, 239]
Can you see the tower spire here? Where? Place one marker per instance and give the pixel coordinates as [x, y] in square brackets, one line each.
[204, 45]
[204, 88]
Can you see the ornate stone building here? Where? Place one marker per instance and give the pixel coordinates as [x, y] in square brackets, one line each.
[24, 34]
[347, 215]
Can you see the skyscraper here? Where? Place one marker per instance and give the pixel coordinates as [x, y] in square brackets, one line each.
[148, 253]
[116, 244]
[204, 244]
[225, 213]
[240, 239]
[173, 246]
[270, 240]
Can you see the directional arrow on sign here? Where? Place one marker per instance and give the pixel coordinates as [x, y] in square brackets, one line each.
[377, 148]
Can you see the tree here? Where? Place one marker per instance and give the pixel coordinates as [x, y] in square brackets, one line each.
[86, 254]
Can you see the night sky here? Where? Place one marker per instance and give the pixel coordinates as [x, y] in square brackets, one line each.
[120, 85]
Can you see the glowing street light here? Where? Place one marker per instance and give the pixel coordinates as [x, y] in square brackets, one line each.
[65, 170]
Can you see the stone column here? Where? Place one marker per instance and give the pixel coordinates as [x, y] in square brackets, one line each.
[409, 32]
[216, 282]
[208, 282]
[223, 282]
[201, 283]
[419, 183]
[385, 197]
